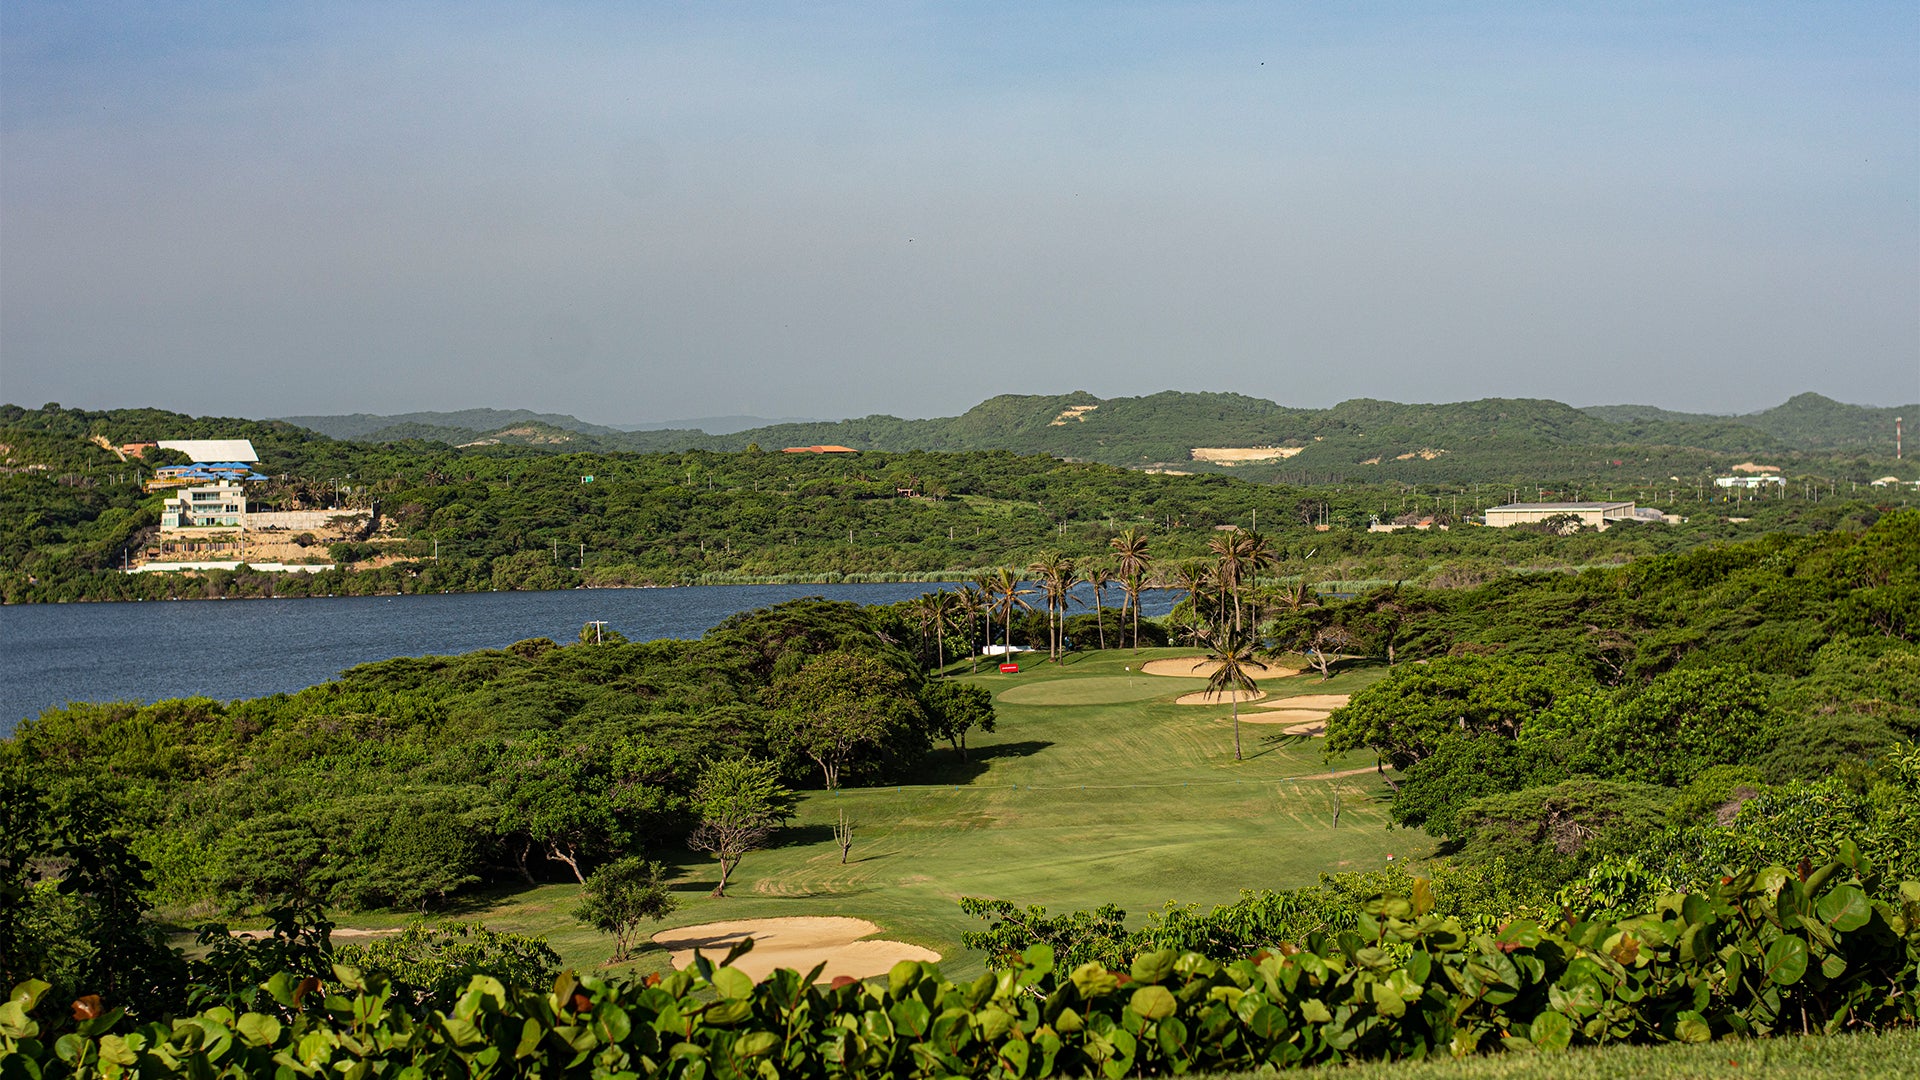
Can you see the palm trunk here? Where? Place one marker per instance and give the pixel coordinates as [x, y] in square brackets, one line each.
[1236, 725]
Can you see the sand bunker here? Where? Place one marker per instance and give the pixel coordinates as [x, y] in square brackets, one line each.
[794, 942]
[1199, 667]
[1218, 697]
[1291, 717]
[1309, 701]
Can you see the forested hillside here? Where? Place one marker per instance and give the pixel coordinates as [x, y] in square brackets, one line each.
[520, 517]
[1487, 441]
[1679, 801]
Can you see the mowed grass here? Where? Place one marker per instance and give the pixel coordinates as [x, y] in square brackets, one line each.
[1830, 1057]
[1095, 789]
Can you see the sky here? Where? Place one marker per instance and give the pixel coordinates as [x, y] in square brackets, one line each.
[644, 211]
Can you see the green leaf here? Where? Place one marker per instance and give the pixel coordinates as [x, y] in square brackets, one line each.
[1268, 1023]
[1154, 1002]
[1845, 908]
[1153, 967]
[259, 1029]
[1786, 960]
[1691, 1027]
[755, 1043]
[732, 983]
[1552, 1031]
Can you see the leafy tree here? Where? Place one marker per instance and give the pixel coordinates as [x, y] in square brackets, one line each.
[1459, 771]
[1405, 716]
[955, 708]
[433, 963]
[843, 710]
[739, 802]
[1556, 831]
[622, 894]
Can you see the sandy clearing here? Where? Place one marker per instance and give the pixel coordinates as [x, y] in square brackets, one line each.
[1218, 697]
[1233, 455]
[797, 942]
[1199, 667]
[1309, 701]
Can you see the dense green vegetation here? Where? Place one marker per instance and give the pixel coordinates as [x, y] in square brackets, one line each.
[1620, 751]
[1762, 953]
[501, 517]
[1490, 440]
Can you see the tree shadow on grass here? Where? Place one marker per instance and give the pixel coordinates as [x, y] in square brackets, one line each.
[944, 767]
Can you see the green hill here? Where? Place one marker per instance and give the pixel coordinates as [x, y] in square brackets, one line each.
[1489, 440]
[1804, 422]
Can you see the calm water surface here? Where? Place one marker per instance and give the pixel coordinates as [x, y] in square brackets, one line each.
[226, 649]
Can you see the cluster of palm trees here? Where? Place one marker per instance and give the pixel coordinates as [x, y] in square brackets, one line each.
[1223, 613]
[1222, 590]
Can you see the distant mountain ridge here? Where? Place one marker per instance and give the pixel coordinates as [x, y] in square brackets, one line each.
[1174, 430]
[365, 426]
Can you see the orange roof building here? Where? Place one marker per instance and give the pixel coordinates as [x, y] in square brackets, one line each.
[819, 450]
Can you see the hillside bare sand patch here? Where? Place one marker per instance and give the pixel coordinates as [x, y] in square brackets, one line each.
[1218, 697]
[1233, 455]
[1751, 467]
[797, 942]
[1425, 453]
[1199, 667]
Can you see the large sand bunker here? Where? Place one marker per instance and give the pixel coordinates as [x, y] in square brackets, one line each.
[1218, 697]
[797, 942]
[1199, 667]
[1292, 718]
[1309, 701]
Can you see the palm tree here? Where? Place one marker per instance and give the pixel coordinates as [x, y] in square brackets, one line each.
[968, 603]
[1098, 576]
[1007, 595]
[1132, 565]
[1228, 563]
[1233, 652]
[1257, 553]
[937, 608]
[1055, 574]
[1195, 578]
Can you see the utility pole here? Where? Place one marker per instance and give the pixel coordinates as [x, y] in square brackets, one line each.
[597, 625]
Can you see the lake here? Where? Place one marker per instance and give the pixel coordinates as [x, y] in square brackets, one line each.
[227, 649]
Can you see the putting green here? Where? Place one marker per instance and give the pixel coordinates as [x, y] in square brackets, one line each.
[1098, 690]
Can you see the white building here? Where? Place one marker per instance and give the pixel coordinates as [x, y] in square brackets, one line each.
[1597, 515]
[1749, 482]
[204, 506]
[213, 449]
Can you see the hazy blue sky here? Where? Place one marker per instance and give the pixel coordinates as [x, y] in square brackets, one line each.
[633, 211]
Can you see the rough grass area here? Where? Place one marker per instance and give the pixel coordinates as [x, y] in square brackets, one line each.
[1096, 789]
[1836, 1057]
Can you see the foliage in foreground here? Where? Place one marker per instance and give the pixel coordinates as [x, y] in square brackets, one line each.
[1764, 953]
